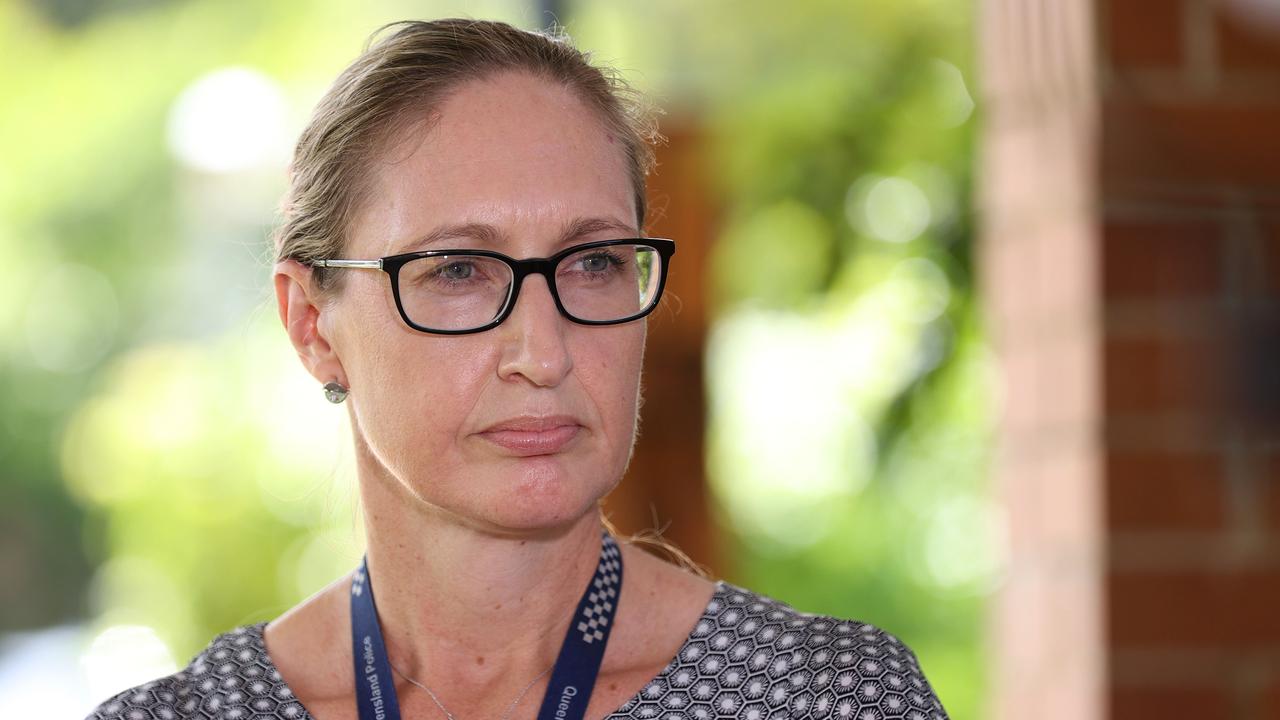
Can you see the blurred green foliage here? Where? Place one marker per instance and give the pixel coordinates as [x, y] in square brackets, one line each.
[124, 273]
[849, 382]
[146, 382]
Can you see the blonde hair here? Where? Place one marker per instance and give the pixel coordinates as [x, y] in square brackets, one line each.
[651, 540]
[403, 77]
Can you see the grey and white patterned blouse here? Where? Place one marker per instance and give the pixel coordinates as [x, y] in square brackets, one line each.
[749, 657]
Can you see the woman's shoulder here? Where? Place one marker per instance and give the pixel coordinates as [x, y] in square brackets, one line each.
[232, 677]
[753, 656]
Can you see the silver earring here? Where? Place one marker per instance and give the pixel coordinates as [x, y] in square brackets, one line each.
[335, 392]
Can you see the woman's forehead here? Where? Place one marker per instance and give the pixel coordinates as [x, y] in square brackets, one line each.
[515, 152]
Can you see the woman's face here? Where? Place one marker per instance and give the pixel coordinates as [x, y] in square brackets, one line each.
[518, 165]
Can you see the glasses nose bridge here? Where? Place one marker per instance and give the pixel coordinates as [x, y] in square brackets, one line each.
[546, 267]
[523, 269]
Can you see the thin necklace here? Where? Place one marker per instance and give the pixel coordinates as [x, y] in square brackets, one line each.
[446, 710]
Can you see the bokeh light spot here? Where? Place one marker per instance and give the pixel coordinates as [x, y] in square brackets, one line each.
[925, 290]
[71, 318]
[964, 546]
[229, 120]
[892, 209]
[123, 656]
[792, 443]
[952, 102]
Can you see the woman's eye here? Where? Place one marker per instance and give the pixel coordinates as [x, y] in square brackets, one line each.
[599, 262]
[454, 271]
[595, 264]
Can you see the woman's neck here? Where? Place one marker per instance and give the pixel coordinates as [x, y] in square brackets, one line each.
[464, 608]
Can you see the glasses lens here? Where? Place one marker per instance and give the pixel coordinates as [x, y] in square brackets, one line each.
[614, 282]
[454, 292]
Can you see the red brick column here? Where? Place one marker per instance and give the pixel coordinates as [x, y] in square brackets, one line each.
[1131, 264]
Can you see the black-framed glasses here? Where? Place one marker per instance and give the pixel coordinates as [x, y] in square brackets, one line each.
[456, 292]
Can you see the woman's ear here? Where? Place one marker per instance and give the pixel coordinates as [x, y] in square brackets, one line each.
[301, 308]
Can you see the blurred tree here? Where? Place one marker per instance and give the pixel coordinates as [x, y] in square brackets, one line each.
[119, 239]
[848, 376]
[71, 14]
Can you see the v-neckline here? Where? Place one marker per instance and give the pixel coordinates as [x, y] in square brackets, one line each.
[708, 613]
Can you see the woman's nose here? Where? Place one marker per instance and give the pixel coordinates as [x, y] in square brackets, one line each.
[533, 337]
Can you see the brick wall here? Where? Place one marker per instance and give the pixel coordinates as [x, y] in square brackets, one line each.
[1190, 174]
[1168, 464]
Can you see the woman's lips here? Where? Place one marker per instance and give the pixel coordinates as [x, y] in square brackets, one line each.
[529, 438]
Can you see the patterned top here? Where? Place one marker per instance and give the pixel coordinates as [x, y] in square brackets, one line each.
[749, 657]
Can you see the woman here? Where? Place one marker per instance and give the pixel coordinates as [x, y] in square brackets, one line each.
[494, 397]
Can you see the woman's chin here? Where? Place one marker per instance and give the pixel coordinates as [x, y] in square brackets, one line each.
[540, 495]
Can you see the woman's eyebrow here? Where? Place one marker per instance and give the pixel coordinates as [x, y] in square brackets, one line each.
[479, 232]
[586, 226]
[489, 236]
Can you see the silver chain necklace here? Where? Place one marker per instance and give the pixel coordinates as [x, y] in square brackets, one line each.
[446, 710]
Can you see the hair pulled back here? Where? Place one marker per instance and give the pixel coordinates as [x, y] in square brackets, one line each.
[405, 76]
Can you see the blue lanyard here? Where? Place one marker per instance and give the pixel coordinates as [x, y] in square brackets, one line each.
[572, 678]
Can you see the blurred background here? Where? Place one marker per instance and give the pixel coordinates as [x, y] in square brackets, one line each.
[971, 334]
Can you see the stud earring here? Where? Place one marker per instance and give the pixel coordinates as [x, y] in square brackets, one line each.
[335, 392]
